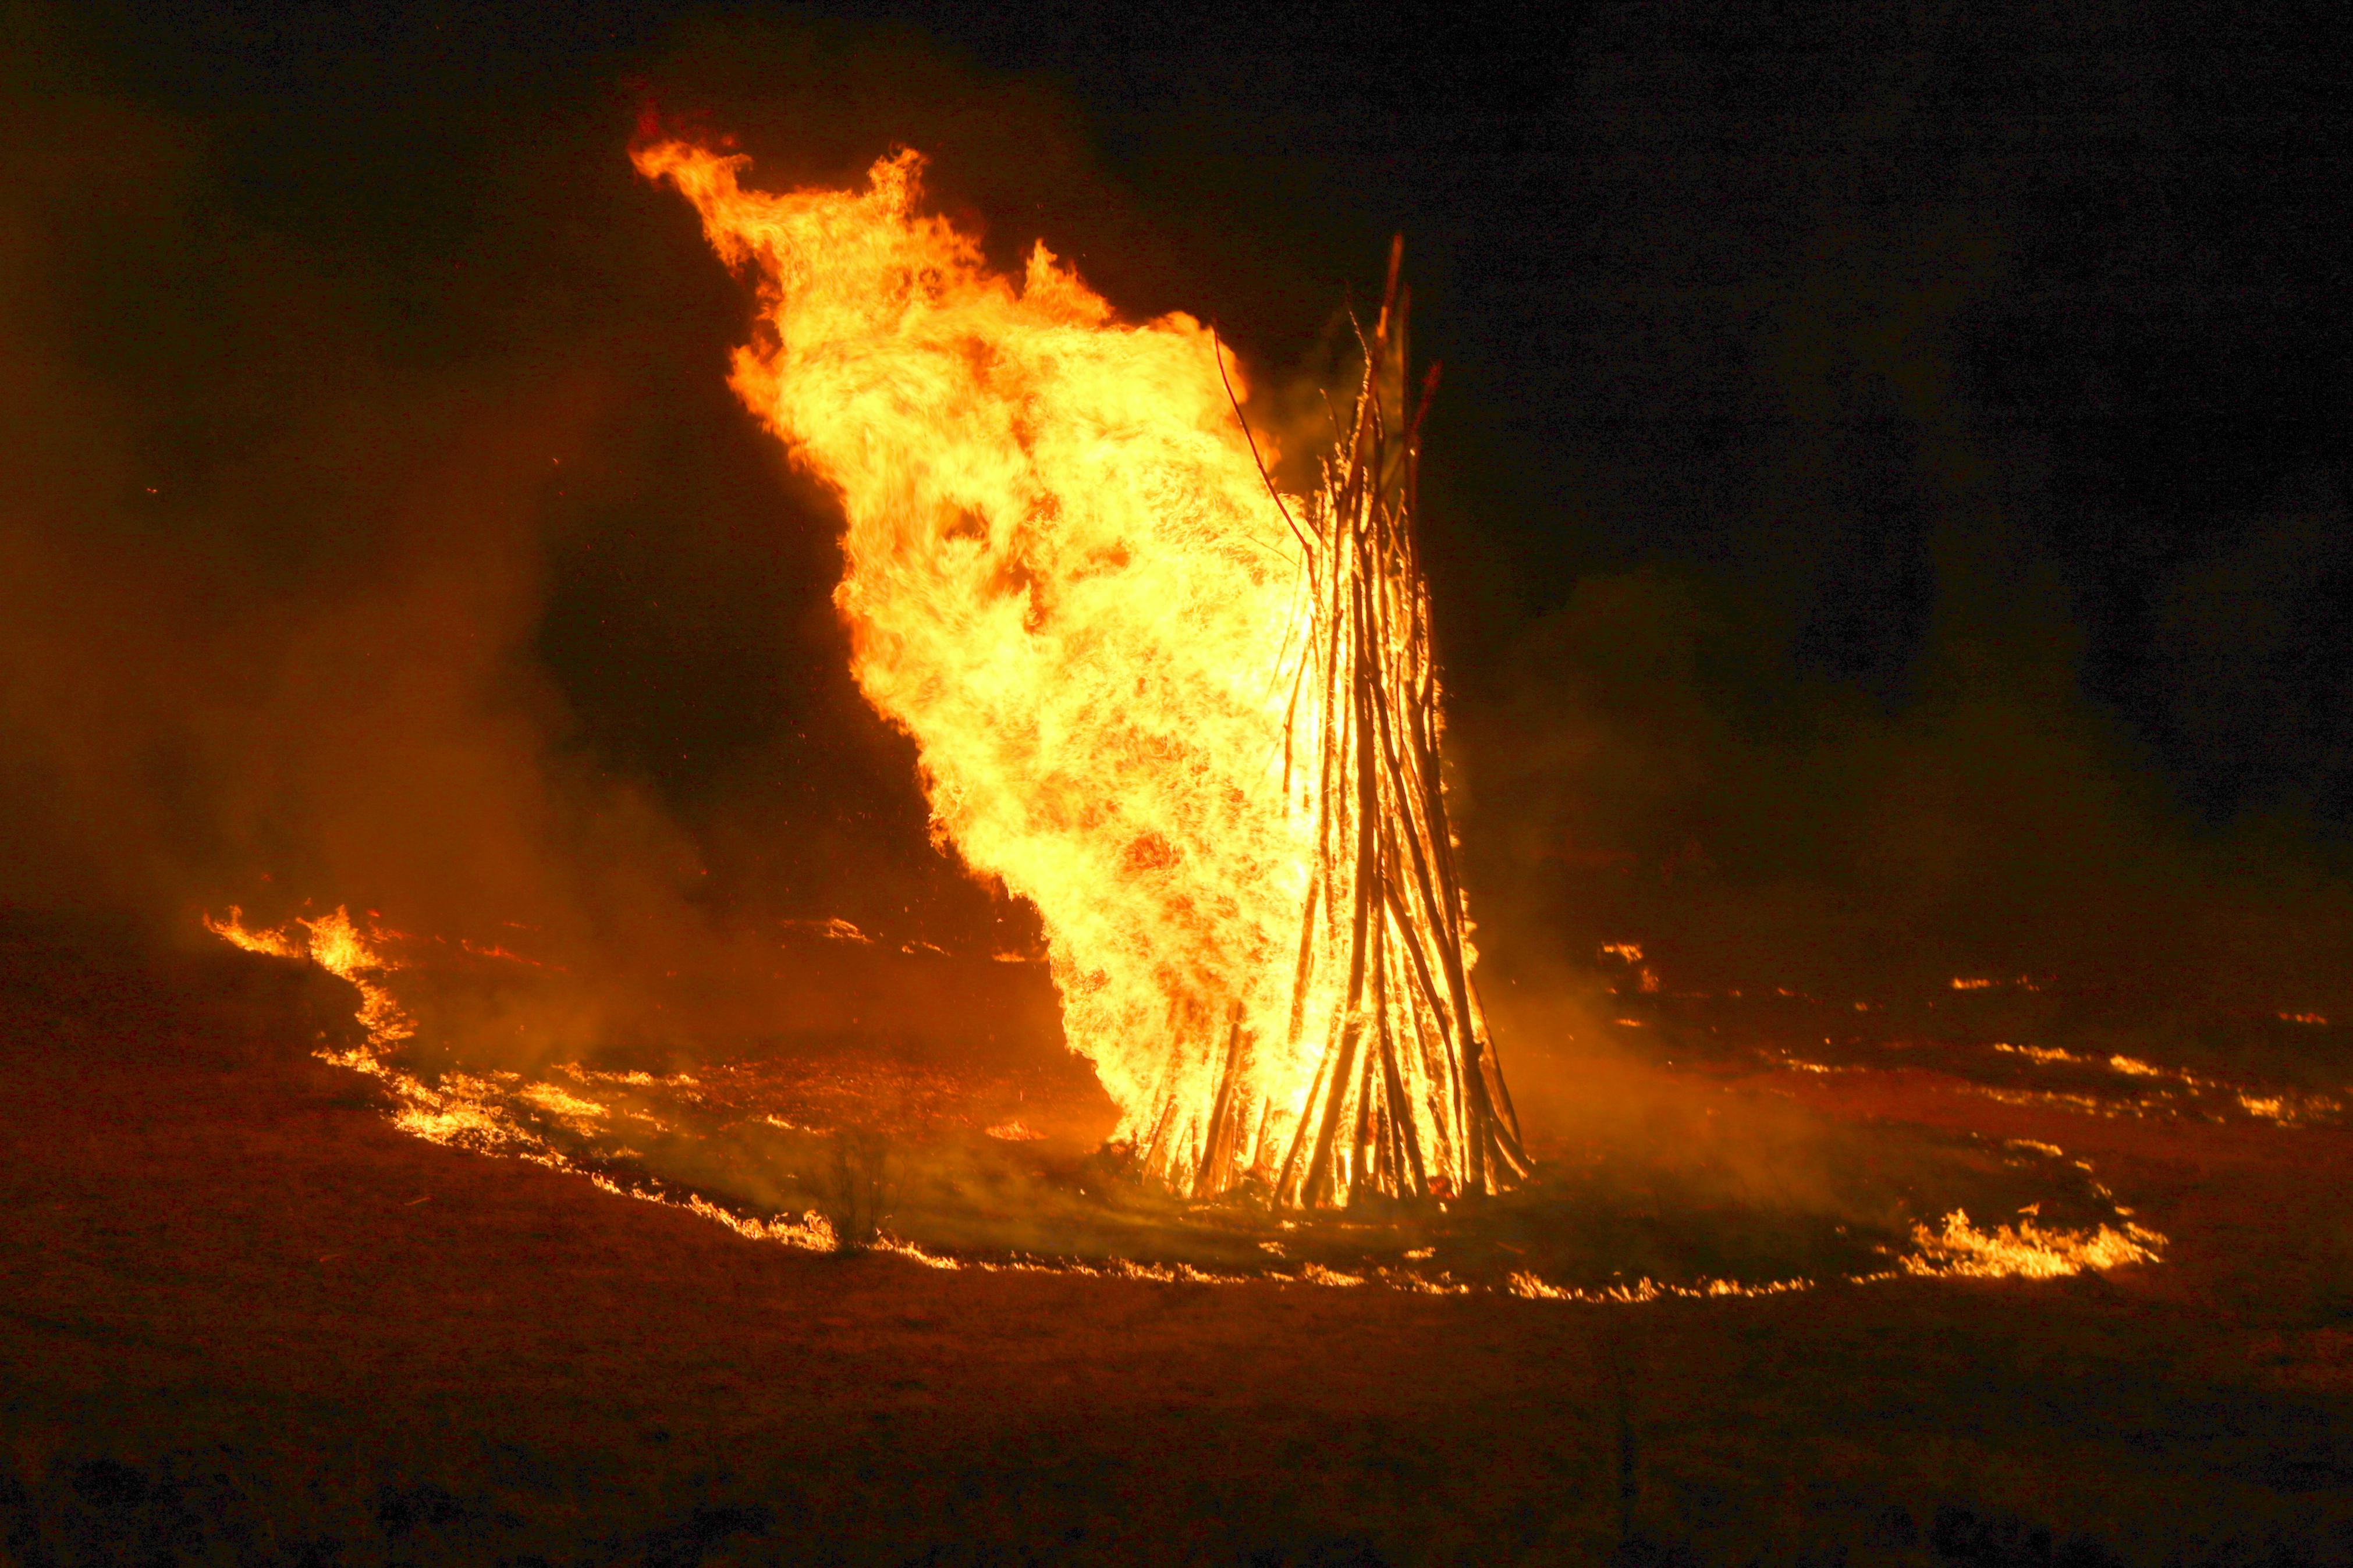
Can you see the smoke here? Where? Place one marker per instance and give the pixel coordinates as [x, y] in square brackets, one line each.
[400, 548]
[270, 598]
[375, 519]
[1930, 615]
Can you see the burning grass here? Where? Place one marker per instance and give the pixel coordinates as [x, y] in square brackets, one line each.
[1687, 1186]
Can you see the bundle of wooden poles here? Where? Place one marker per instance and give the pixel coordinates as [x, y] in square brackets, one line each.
[1408, 1099]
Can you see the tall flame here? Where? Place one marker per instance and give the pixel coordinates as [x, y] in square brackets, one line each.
[1136, 680]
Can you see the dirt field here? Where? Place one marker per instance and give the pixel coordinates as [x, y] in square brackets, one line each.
[242, 1320]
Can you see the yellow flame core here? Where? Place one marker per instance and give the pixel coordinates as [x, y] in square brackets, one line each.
[1065, 577]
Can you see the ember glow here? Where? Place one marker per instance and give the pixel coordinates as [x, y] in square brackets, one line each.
[1193, 722]
[2026, 1250]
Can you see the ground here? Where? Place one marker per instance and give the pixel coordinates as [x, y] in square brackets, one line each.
[243, 1319]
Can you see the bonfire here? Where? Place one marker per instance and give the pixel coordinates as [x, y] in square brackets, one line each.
[1193, 720]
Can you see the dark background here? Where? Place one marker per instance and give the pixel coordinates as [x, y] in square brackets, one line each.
[1887, 499]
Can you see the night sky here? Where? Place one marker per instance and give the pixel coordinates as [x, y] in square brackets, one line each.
[1887, 497]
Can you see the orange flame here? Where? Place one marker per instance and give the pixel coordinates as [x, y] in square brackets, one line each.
[334, 943]
[1067, 580]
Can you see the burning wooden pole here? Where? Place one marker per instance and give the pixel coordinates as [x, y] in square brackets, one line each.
[1408, 1099]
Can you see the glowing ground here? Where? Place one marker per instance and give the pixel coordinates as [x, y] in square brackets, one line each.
[983, 1170]
[246, 1319]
